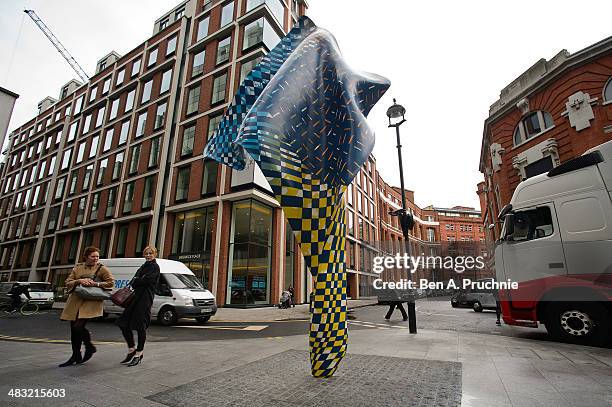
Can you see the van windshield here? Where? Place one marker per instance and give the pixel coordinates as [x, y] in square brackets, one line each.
[182, 281]
[38, 287]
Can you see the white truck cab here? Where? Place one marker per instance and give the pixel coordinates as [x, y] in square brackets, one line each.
[179, 293]
[556, 242]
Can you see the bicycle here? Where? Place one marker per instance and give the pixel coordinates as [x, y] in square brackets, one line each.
[26, 309]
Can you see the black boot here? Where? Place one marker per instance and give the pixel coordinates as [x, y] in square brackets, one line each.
[90, 349]
[75, 339]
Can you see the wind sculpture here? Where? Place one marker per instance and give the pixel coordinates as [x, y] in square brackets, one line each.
[300, 114]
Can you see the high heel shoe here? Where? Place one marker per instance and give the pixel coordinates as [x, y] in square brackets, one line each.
[73, 359]
[135, 361]
[128, 358]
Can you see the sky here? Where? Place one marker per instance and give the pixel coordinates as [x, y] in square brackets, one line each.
[447, 61]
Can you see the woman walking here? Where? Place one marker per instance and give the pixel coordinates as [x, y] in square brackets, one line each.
[137, 315]
[79, 311]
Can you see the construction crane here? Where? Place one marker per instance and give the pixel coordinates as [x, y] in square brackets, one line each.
[58, 45]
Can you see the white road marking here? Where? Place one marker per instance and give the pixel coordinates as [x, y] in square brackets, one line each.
[228, 328]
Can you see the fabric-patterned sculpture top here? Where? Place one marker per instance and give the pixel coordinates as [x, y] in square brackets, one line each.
[300, 114]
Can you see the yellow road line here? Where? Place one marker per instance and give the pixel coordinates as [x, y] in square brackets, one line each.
[48, 340]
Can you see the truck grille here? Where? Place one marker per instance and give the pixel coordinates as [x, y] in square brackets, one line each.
[203, 303]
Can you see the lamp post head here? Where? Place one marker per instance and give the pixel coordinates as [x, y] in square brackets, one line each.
[396, 114]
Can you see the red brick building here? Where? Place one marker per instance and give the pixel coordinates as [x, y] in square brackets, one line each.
[553, 112]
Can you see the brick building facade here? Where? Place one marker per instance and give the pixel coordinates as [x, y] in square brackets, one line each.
[553, 112]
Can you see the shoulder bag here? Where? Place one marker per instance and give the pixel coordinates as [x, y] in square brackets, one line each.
[123, 296]
[92, 293]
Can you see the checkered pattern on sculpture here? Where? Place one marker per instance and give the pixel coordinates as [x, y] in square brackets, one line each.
[300, 114]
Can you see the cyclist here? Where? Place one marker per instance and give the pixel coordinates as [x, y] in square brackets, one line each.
[15, 294]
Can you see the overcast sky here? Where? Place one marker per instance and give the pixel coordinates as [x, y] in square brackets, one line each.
[447, 62]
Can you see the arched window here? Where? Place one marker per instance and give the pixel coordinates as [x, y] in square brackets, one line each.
[531, 125]
[607, 93]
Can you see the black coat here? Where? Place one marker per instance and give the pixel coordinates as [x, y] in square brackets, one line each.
[138, 314]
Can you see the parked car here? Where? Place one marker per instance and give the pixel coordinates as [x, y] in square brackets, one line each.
[40, 292]
[459, 300]
[481, 299]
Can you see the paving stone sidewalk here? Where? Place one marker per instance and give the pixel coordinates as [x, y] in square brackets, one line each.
[494, 371]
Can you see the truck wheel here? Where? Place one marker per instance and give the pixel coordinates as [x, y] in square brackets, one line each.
[167, 316]
[202, 320]
[477, 307]
[578, 322]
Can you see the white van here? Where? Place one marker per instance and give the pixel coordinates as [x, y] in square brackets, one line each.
[179, 293]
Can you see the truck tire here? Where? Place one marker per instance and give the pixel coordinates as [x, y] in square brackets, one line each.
[167, 316]
[477, 307]
[202, 320]
[584, 323]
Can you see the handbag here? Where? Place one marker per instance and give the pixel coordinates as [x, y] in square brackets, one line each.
[92, 293]
[123, 296]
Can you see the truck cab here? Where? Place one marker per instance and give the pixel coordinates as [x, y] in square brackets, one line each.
[556, 242]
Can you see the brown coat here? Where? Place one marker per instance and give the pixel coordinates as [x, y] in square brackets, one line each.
[76, 306]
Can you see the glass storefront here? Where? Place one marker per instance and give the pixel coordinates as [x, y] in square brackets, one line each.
[250, 254]
[192, 241]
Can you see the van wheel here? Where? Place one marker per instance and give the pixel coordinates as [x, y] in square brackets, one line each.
[167, 316]
[578, 322]
[477, 307]
[202, 320]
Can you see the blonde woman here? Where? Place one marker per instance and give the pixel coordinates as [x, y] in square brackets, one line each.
[137, 315]
[79, 311]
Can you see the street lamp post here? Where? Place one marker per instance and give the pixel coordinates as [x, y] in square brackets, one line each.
[396, 118]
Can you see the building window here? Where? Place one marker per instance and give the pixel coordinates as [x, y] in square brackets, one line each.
[112, 200]
[182, 183]
[142, 237]
[104, 242]
[250, 254]
[100, 117]
[125, 130]
[135, 67]
[147, 195]
[141, 124]
[74, 177]
[66, 159]
[209, 177]
[607, 93]
[198, 63]
[203, 28]
[81, 210]
[532, 125]
[114, 109]
[188, 140]
[78, 105]
[101, 170]
[278, 10]
[218, 91]
[95, 204]
[129, 103]
[160, 115]
[179, 13]
[171, 46]
[119, 80]
[93, 149]
[92, 94]
[247, 66]
[146, 92]
[165, 83]
[59, 188]
[227, 14]
[67, 211]
[128, 198]
[53, 217]
[80, 152]
[431, 235]
[213, 123]
[223, 50]
[134, 159]
[351, 222]
[117, 166]
[72, 131]
[163, 24]
[259, 32]
[193, 100]
[87, 124]
[122, 233]
[152, 58]
[108, 139]
[154, 152]
[87, 178]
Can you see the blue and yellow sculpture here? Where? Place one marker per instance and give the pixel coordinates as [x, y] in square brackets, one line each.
[300, 114]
